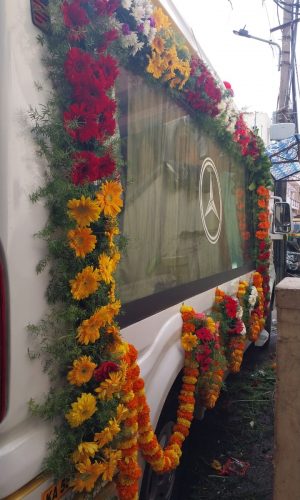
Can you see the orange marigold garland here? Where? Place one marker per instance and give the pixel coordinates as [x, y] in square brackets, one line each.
[257, 319]
[263, 245]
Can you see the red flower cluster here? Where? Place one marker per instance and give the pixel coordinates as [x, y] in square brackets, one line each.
[245, 138]
[203, 357]
[202, 92]
[87, 167]
[230, 306]
[91, 115]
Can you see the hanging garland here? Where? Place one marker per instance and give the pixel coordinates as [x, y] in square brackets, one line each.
[96, 381]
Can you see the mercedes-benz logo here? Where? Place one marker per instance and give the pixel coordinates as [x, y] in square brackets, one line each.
[210, 200]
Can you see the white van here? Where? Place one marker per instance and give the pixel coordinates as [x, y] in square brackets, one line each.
[182, 223]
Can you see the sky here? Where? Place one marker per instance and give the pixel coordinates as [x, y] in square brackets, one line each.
[249, 65]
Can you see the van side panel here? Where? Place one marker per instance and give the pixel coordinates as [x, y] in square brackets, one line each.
[23, 439]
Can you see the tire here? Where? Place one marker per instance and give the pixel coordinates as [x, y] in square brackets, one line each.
[163, 486]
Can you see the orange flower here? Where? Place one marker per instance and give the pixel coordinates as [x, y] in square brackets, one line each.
[261, 235]
[82, 371]
[262, 203]
[85, 283]
[263, 216]
[264, 225]
[82, 240]
[262, 191]
[84, 211]
[188, 327]
[109, 198]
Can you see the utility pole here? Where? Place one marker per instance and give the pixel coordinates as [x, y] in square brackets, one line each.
[283, 113]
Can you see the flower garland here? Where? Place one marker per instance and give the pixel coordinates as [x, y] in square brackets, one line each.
[106, 414]
[264, 243]
[229, 313]
[200, 336]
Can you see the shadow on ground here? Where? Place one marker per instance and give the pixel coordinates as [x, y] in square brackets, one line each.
[240, 426]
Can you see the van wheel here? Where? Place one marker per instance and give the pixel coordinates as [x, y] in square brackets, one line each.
[159, 486]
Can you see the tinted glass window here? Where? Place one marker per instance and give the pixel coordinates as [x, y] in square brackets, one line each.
[184, 214]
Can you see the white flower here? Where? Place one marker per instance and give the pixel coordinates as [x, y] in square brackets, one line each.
[136, 47]
[126, 4]
[254, 291]
[138, 13]
[243, 332]
[147, 27]
[239, 313]
[129, 40]
[252, 300]
[152, 34]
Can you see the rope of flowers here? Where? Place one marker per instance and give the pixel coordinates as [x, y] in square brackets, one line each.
[103, 400]
[229, 313]
[201, 337]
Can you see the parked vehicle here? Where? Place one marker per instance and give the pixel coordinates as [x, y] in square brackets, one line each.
[186, 236]
[293, 258]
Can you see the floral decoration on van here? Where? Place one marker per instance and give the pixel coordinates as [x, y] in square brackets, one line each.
[229, 313]
[200, 337]
[97, 396]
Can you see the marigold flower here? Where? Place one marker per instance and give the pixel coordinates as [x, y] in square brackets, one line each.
[82, 240]
[85, 283]
[111, 385]
[189, 341]
[107, 266]
[262, 191]
[82, 410]
[82, 370]
[84, 451]
[109, 198]
[89, 473]
[84, 211]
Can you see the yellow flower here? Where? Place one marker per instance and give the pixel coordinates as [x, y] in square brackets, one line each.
[89, 473]
[110, 386]
[184, 309]
[161, 20]
[189, 341]
[155, 66]
[82, 240]
[84, 211]
[211, 325]
[82, 410]
[109, 198]
[85, 283]
[85, 450]
[111, 230]
[88, 332]
[158, 44]
[110, 467]
[106, 267]
[104, 437]
[82, 371]
[122, 413]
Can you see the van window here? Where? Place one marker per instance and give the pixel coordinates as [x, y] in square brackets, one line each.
[184, 208]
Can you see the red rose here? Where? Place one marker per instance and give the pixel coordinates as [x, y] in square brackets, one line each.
[103, 371]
